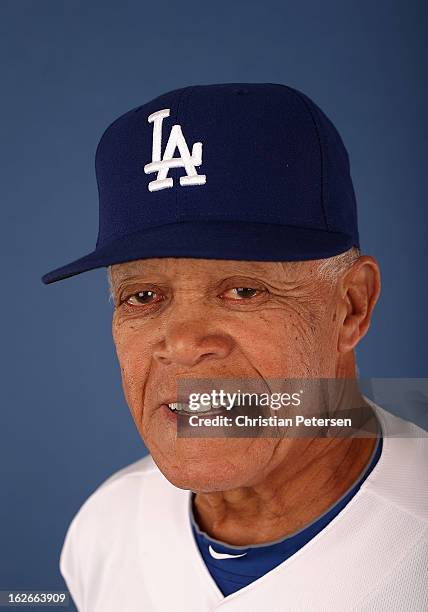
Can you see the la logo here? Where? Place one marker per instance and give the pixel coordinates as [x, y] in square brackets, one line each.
[161, 165]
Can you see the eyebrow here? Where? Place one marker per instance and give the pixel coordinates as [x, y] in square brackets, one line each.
[257, 268]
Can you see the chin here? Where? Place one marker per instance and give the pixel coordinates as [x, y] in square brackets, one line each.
[202, 472]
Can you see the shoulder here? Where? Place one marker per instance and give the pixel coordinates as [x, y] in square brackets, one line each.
[107, 517]
[117, 496]
[127, 478]
[400, 477]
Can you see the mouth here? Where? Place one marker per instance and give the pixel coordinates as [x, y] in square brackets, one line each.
[185, 408]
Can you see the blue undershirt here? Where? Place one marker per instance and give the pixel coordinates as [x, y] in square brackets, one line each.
[232, 574]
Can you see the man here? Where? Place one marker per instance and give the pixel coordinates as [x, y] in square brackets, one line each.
[228, 225]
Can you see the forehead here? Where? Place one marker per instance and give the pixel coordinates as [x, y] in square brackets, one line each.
[172, 267]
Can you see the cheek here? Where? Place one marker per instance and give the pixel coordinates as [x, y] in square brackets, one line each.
[280, 343]
[134, 359]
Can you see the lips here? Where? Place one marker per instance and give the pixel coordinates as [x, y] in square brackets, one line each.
[185, 408]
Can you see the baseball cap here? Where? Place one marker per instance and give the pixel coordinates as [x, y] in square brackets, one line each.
[243, 171]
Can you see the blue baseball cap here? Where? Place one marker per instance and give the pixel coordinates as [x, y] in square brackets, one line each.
[243, 171]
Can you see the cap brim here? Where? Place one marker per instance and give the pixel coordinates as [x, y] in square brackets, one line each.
[212, 240]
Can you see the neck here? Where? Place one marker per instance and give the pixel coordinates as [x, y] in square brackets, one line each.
[288, 499]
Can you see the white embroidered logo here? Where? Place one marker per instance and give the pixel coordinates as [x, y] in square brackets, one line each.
[161, 165]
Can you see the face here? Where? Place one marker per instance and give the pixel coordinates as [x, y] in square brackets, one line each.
[193, 318]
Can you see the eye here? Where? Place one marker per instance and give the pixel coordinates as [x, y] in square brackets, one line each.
[242, 293]
[142, 298]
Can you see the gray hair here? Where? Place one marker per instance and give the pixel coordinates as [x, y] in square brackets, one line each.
[110, 285]
[333, 267]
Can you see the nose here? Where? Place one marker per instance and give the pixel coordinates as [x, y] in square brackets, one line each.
[189, 343]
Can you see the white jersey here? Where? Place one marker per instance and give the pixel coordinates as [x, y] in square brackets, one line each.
[130, 547]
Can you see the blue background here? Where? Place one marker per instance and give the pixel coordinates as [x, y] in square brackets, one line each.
[70, 68]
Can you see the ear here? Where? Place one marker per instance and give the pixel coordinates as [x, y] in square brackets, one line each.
[359, 291]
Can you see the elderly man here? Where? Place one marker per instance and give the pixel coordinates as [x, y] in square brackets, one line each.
[228, 226]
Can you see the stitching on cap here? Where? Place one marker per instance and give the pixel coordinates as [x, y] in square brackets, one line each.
[108, 242]
[226, 216]
[323, 161]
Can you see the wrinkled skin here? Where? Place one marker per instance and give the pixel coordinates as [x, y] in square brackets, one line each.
[185, 318]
